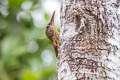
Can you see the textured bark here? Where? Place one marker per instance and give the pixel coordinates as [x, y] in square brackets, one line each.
[90, 40]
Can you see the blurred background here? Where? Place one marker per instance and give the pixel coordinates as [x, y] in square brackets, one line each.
[25, 51]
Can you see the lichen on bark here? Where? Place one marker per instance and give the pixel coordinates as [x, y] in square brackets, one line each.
[90, 40]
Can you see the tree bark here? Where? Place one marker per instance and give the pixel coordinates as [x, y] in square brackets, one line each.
[90, 40]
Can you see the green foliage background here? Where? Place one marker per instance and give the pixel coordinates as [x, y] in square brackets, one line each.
[23, 46]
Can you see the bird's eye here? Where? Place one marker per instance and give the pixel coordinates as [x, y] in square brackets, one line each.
[48, 26]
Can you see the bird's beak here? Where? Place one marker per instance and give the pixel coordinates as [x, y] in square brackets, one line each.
[52, 18]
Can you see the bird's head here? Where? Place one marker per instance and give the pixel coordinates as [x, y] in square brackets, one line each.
[50, 27]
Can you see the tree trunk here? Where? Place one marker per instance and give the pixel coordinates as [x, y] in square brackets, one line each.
[90, 40]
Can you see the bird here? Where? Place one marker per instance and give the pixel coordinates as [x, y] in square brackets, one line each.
[53, 34]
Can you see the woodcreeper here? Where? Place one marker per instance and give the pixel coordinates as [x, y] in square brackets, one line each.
[53, 34]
